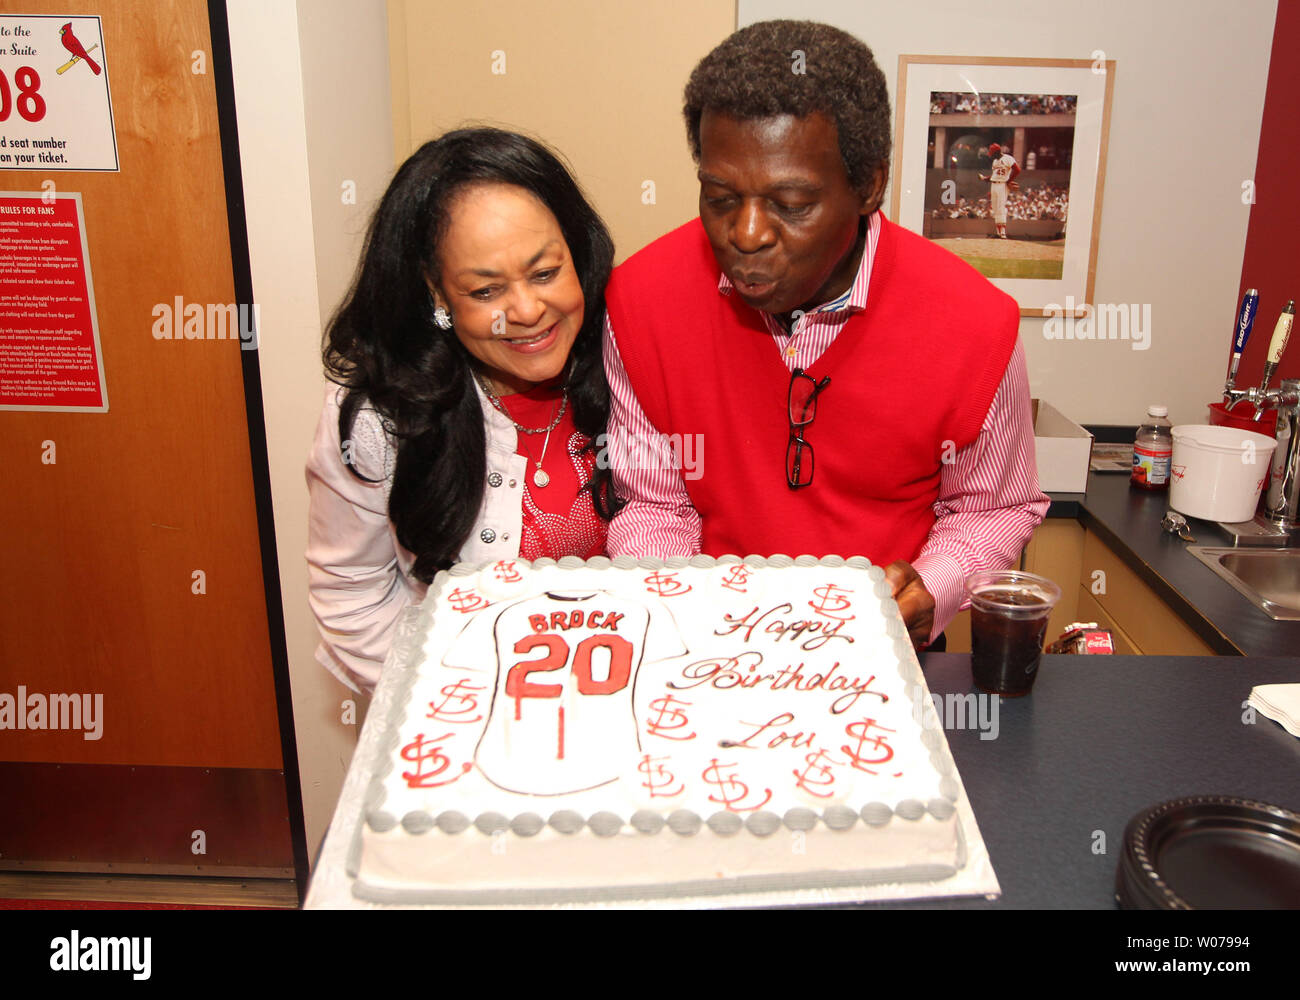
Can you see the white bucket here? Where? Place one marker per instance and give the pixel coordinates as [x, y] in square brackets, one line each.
[1217, 473]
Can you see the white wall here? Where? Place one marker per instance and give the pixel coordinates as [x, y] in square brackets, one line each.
[601, 82]
[344, 45]
[1185, 122]
[311, 93]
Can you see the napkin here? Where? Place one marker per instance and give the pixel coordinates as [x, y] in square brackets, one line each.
[1280, 702]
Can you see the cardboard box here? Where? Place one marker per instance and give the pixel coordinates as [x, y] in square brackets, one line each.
[1063, 450]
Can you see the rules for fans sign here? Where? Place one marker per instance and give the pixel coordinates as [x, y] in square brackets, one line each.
[56, 112]
[50, 357]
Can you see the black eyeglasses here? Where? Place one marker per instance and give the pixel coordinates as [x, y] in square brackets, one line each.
[802, 405]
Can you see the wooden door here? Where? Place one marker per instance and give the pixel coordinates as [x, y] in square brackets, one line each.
[133, 563]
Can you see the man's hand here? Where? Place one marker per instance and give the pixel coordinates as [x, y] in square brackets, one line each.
[914, 601]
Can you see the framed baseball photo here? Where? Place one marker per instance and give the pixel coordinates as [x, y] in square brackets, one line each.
[1002, 162]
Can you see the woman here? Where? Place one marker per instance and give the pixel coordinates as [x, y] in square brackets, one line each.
[469, 391]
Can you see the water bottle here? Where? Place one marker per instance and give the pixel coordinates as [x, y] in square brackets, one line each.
[1153, 451]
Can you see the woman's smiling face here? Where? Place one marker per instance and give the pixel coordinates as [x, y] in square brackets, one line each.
[509, 282]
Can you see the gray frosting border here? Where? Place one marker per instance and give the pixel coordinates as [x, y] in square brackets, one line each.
[412, 630]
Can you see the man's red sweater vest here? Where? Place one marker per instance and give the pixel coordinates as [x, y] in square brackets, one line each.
[912, 377]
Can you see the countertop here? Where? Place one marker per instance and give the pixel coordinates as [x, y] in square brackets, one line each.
[1098, 740]
[1128, 521]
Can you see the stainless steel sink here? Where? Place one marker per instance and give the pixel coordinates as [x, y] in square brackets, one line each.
[1268, 578]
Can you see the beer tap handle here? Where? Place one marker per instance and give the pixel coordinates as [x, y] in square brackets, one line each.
[1245, 323]
[1281, 334]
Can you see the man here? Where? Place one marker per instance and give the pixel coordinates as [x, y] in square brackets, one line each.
[859, 390]
[1001, 176]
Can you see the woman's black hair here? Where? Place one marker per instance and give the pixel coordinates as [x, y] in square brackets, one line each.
[383, 346]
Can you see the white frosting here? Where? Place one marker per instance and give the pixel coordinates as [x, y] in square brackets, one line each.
[770, 715]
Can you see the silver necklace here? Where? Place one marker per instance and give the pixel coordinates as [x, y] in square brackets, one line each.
[540, 476]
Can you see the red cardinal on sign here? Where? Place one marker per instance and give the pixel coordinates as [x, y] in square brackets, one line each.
[75, 47]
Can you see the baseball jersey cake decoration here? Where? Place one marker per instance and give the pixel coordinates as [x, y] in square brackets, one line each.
[623, 730]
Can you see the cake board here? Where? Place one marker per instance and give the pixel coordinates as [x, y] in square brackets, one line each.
[331, 884]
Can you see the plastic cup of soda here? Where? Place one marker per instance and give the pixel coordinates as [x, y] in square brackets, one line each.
[1009, 612]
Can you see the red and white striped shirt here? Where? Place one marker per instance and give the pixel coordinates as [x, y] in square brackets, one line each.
[989, 501]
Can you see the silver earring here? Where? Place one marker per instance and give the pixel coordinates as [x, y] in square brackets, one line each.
[441, 319]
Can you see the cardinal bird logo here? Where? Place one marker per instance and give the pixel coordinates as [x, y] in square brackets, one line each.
[78, 50]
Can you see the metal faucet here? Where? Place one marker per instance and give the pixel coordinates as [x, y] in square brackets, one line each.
[1283, 498]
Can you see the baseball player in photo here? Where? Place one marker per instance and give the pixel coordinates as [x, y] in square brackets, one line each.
[1002, 175]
